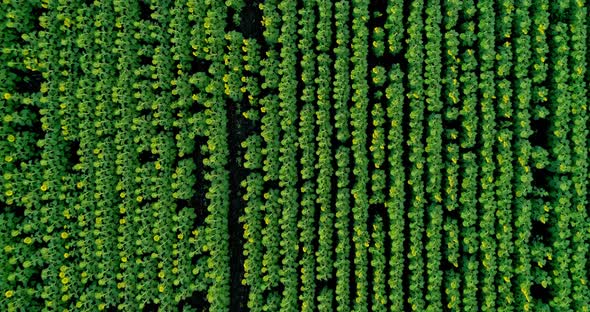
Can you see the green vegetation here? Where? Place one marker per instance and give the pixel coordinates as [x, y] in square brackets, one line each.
[294, 155]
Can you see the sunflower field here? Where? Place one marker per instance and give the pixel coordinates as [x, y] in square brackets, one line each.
[294, 155]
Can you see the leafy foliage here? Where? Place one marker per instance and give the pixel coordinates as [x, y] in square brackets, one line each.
[281, 155]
